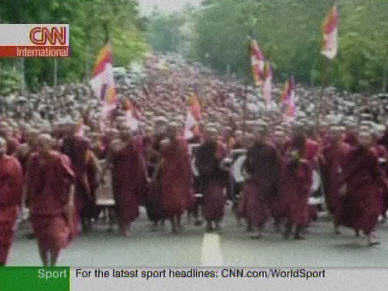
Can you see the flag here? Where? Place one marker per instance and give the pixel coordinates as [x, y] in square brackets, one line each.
[288, 99]
[80, 128]
[330, 34]
[102, 81]
[257, 61]
[193, 117]
[131, 115]
[195, 107]
[267, 86]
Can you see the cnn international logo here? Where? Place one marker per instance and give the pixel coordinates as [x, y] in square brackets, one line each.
[46, 35]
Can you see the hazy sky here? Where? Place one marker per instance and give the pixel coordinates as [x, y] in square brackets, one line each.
[146, 6]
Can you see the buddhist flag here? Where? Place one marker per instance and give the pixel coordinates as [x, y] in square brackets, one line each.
[80, 128]
[102, 81]
[330, 34]
[193, 117]
[257, 61]
[267, 86]
[288, 99]
[131, 115]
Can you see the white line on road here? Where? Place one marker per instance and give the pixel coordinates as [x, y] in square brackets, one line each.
[211, 250]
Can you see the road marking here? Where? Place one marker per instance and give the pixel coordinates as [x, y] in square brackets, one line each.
[211, 250]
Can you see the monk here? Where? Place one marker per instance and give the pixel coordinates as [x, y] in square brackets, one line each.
[50, 198]
[153, 195]
[129, 178]
[212, 179]
[295, 185]
[11, 192]
[85, 167]
[362, 186]
[263, 167]
[333, 162]
[176, 174]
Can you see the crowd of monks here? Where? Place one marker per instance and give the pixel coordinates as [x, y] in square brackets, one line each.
[56, 175]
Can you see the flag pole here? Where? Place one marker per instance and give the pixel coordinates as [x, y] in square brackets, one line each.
[324, 75]
[245, 109]
[324, 83]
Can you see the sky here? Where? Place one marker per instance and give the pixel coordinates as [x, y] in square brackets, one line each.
[147, 6]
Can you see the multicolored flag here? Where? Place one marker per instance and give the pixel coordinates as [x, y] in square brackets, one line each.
[257, 61]
[288, 99]
[80, 128]
[330, 34]
[267, 86]
[102, 81]
[131, 115]
[193, 117]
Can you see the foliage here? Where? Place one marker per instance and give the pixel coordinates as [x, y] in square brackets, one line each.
[289, 33]
[164, 33]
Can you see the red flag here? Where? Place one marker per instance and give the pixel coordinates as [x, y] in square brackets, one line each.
[257, 61]
[330, 34]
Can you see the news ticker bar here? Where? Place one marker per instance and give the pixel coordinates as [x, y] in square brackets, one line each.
[199, 278]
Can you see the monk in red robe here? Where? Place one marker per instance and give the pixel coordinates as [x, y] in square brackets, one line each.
[153, 196]
[50, 199]
[296, 180]
[11, 192]
[212, 179]
[333, 161]
[362, 188]
[85, 167]
[176, 174]
[263, 167]
[129, 178]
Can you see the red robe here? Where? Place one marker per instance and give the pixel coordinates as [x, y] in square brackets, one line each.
[212, 178]
[176, 178]
[332, 164]
[260, 190]
[77, 149]
[11, 191]
[363, 201]
[153, 196]
[382, 153]
[48, 184]
[294, 192]
[311, 153]
[128, 182]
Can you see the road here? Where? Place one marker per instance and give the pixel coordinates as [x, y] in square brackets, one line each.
[232, 246]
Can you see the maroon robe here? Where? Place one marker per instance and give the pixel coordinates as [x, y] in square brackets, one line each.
[48, 182]
[152, 201]
[263, 165]
[332, 164]
[363, 201]
[294, 191]
[212, 179]
[176, 178]
[11, 191]
[77, 148]
[382, 153]
[128, 182]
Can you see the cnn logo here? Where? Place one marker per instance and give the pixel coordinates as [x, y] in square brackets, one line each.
[41, 35]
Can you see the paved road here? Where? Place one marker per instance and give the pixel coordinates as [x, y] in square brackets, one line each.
[231, 246]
